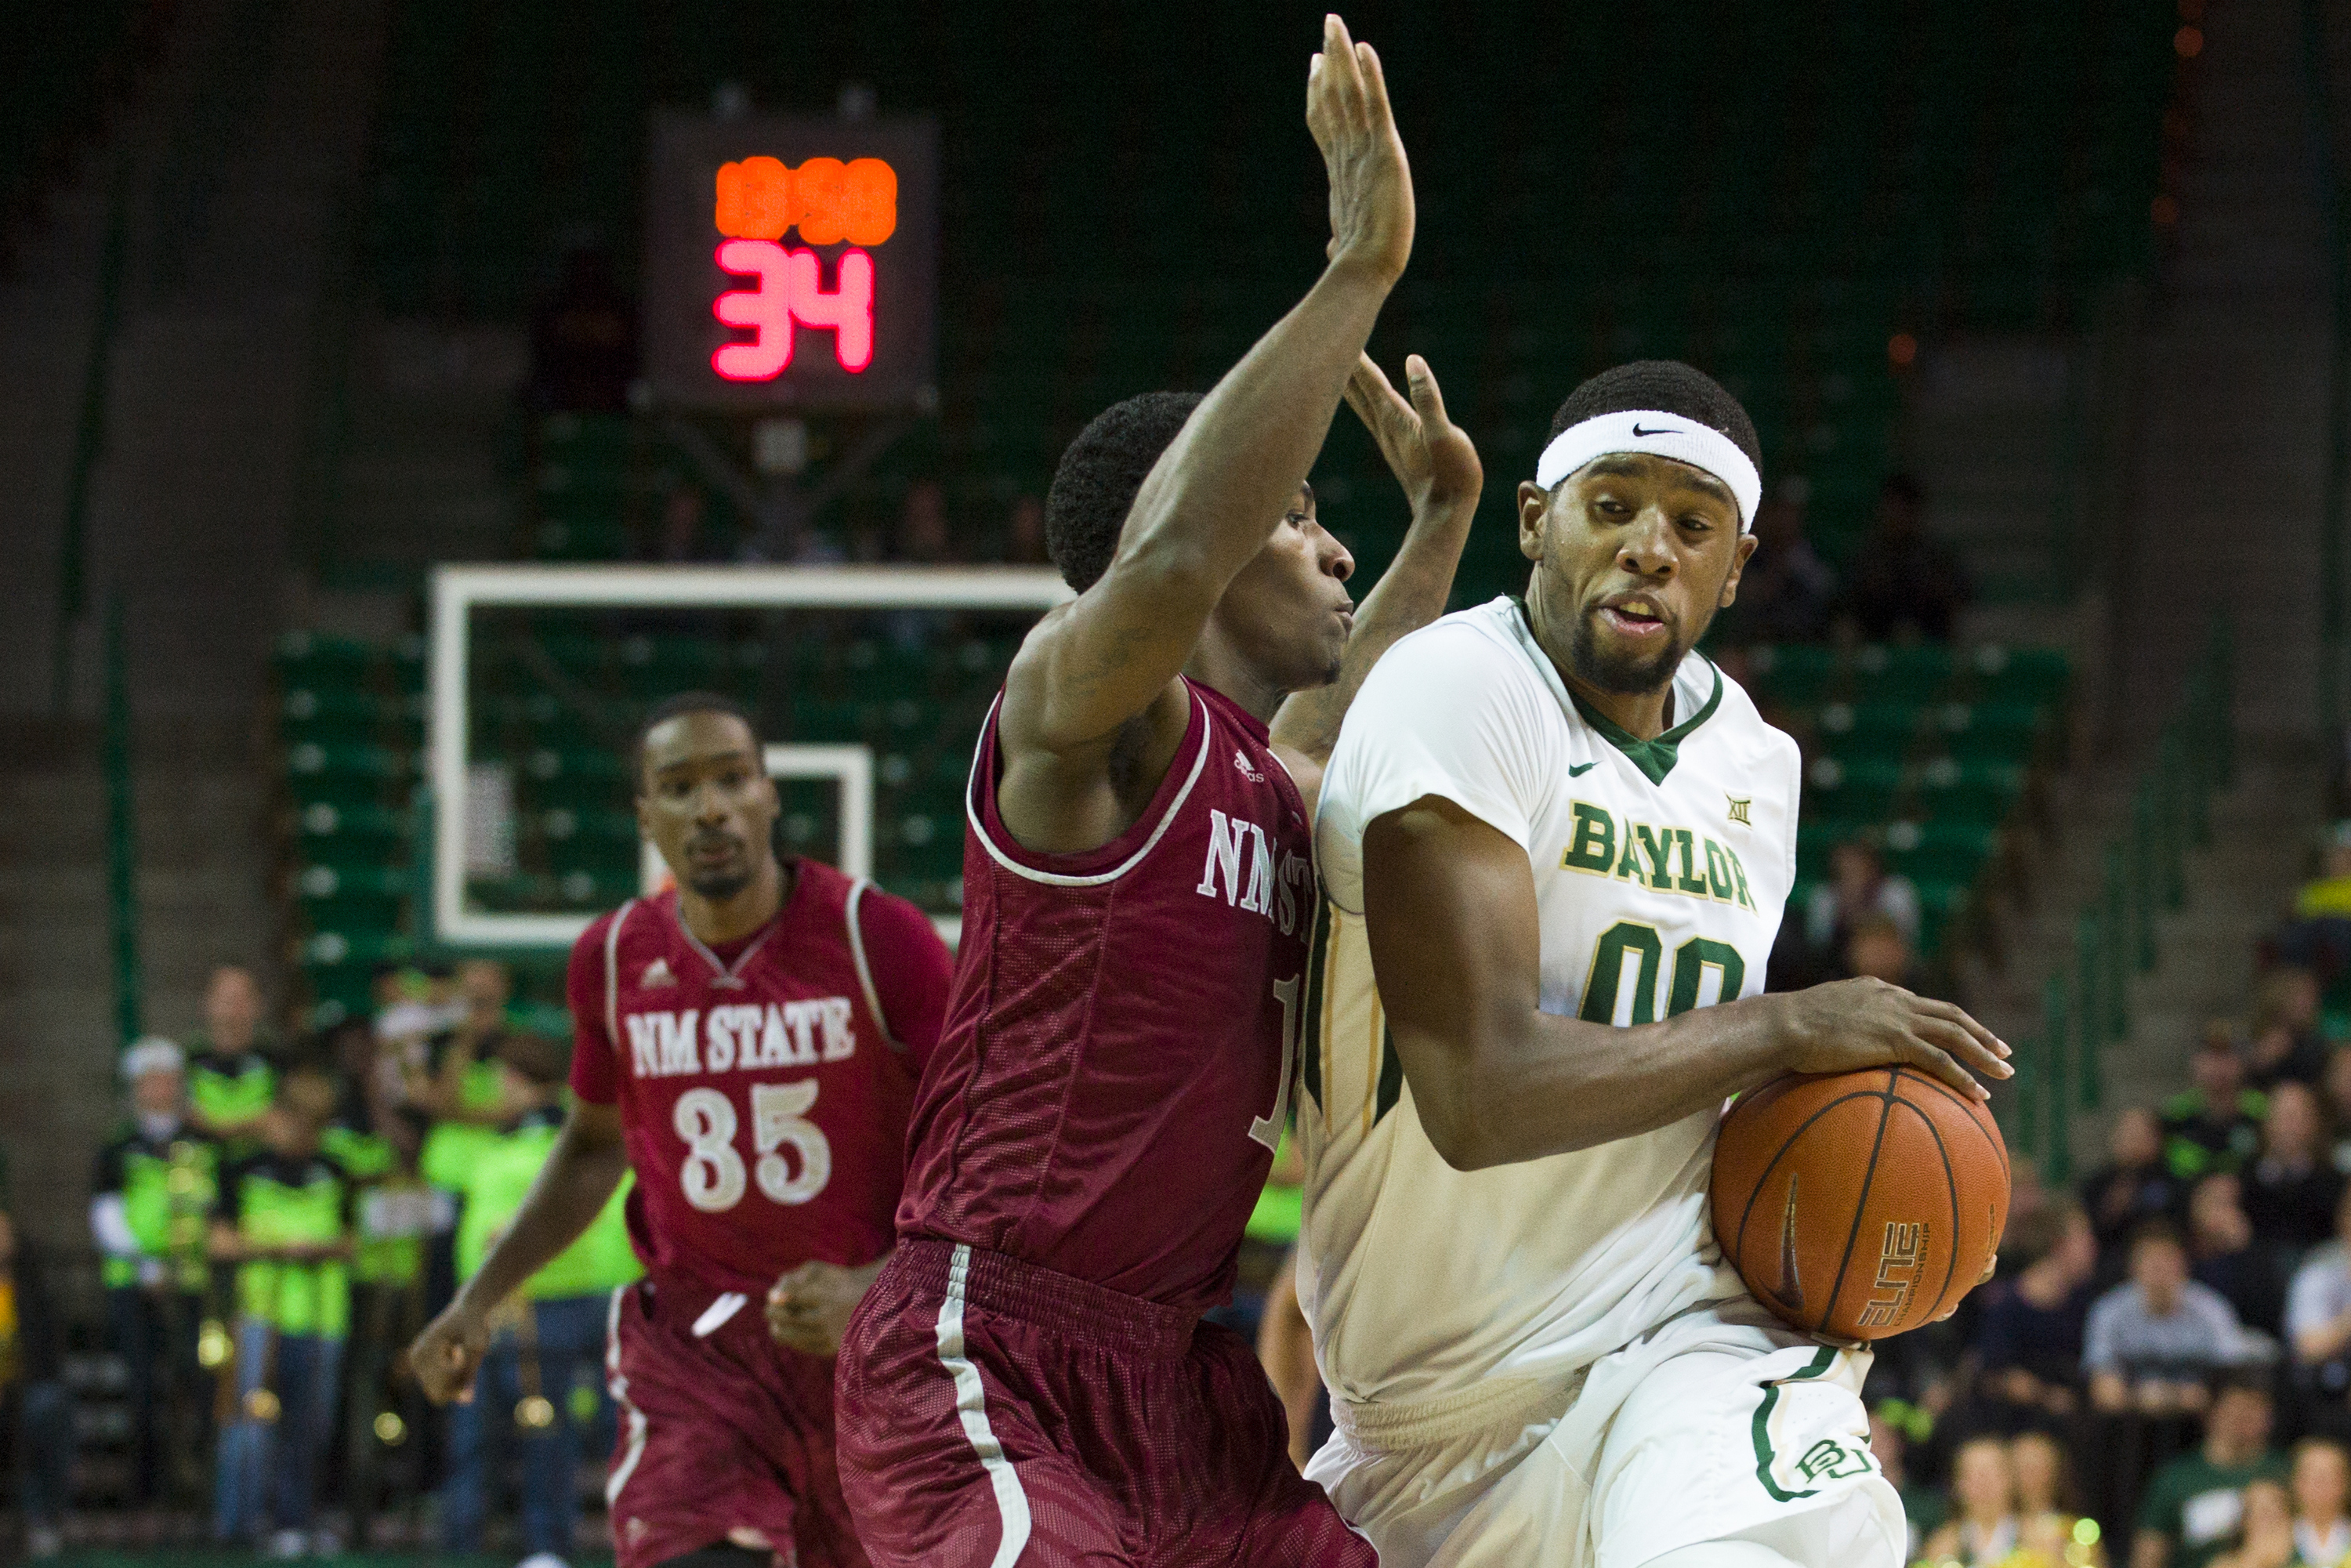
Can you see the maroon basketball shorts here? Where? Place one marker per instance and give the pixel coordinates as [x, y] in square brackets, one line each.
[720, 1428]
[994, 1413]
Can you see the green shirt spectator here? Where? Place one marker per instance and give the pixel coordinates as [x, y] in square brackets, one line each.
[230, 1079]
[285, 1218]
[493, 1179]
[230, 1093]
[2215, 1126]
[493, 1183]
[154, 1187]
[2194, 1503]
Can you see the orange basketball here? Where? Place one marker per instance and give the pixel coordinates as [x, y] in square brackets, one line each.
[1859, 1205]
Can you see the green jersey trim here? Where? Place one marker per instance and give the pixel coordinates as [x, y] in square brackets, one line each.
[1764, 1454]
[1654, 758]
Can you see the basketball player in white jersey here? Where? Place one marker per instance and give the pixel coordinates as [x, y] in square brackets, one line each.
[1560, 841]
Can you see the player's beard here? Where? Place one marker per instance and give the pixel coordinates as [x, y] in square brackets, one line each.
[1625, 674]
[719, 887]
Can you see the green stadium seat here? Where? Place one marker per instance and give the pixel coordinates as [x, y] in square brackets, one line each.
[1869, 729]
[314, 657]
[1794, 674]
[311, 761]
[1863, 789]
[564, 825]
[1979, 792]
[345, 833]
[1991, 732]
[1897, 675]
[326, 881]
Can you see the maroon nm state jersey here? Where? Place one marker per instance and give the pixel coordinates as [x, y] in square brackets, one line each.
[763, 1086]
[1114, 1074]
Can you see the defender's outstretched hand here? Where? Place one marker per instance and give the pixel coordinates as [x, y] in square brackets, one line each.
[1432, 457]
[1370, 182]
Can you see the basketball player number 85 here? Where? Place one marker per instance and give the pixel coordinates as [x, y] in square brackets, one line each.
[713, 1175]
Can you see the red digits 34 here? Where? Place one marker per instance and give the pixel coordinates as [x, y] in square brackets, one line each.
[790, 291]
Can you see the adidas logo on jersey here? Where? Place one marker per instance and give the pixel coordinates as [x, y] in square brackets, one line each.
[656, 976]
[1663, 859]
[1241, 761]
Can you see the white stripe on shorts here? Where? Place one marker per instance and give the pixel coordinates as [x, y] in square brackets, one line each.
[1011, 1503]
[619, 1385]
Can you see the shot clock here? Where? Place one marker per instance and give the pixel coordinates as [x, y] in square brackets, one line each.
[791, 263]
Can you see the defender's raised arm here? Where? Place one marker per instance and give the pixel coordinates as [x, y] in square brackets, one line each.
[1221, 488]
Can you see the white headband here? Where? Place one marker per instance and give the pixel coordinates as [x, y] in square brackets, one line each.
[1670, 436]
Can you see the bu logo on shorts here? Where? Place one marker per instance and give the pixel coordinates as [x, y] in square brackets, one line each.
[1829, 1460]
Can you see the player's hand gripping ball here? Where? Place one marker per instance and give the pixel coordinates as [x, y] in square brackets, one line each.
[1860, 1205]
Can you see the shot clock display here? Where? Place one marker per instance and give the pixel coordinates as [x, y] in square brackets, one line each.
[791, 263]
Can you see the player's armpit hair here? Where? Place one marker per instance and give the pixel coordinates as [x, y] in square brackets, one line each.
[1666, 386]
[1095, 484]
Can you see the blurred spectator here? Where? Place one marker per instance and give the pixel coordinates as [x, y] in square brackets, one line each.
[2291, 1193]
[1858, 886]
[2132, 1187]
[2029, 1336]
[2286, 1044]
[284, 1220]
[1923, 1507]
[2328, 894]
[1787, 591]
[457, 1080]
[1024, 533]
[33, 1398]
[1875, 948]
[2046, 1512]
[683, 536]
[2220, 1239]
[2026, 1192]
[1984, 1488]
[1905, 582]
[2195, 1505]
[230, 1080]
[2215, 1126]
[2321, 1488]
[2152, 1341]
[2265, 1538]
[541, 1369]
[583, 342]
[2318, 1326]
[920, 539]
[150, 1192]
[2335, 1106]
[414, 1005]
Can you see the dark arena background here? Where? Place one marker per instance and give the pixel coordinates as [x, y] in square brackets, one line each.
[402, 395]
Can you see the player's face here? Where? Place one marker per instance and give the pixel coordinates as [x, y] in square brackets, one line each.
[1289, 612]
[1634, 554]
[706, 802]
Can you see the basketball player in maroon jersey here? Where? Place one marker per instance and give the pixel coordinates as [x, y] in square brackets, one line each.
[1029, 1381]
[748, 1045]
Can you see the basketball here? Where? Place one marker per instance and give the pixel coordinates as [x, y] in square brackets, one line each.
[1859, 1205]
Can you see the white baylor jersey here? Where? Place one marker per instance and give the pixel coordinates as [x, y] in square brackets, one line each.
[1660, 869]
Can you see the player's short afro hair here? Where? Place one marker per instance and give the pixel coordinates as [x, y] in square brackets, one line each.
[670, 707]
[1669, 386]
[1095, 485]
